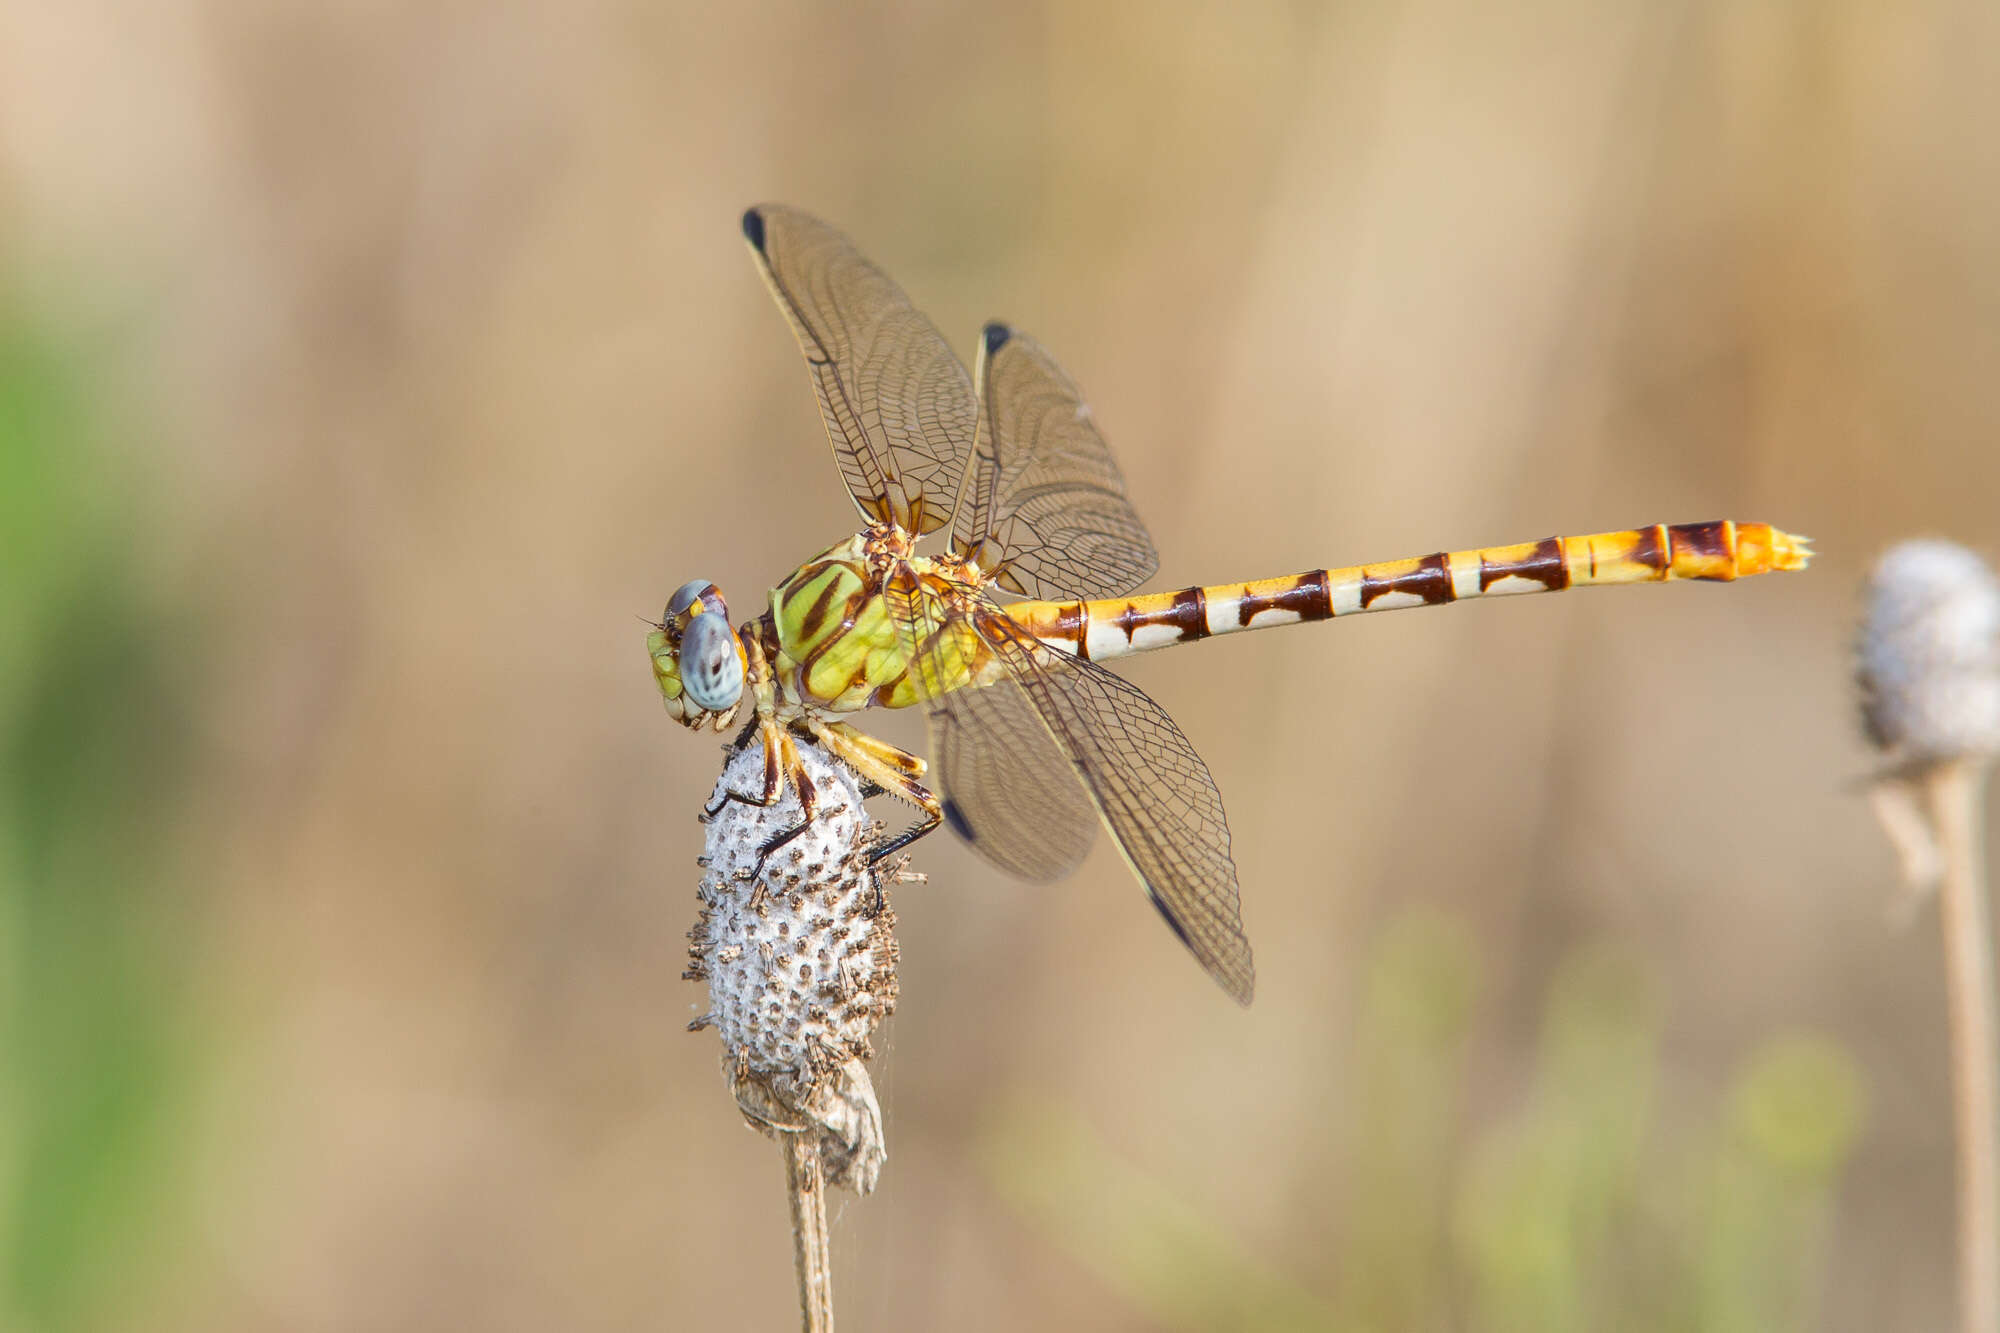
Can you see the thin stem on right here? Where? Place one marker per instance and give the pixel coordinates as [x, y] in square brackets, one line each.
[1928, 663]
[1955, 794]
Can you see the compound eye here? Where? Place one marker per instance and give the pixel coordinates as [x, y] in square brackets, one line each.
[684, 597]
[711, 672]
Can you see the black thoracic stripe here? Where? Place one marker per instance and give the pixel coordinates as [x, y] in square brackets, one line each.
[815, 617]
[1430, 580]
[825, 645]
[1546, 567]
[811, 659]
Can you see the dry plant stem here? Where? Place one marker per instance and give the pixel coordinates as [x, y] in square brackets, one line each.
[1955, 793]
[1901, 810]
[805, 1184]
[796, 941]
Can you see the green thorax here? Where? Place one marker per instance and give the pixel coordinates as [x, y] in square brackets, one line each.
[838, 648]
[836, 643]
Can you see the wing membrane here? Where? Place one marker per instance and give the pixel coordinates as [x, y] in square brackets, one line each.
[1008, 789]
[899, 407]
[1011, 753]
[1152, 789]
[1045, 511]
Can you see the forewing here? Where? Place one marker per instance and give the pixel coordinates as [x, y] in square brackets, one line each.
[1151, 787]
[899, 408]
[1008, 789]
[1045, 511]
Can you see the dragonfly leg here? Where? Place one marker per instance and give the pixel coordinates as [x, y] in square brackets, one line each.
[781, 761]
[781, 756]
[767, 795]
[729, 796]
[892, 769]
[931, 819]
[772, 844]
[789, 766]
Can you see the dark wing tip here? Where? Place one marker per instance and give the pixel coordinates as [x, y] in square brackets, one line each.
[753, 228]
[995, 335]
[954, 815]
[1236, 976]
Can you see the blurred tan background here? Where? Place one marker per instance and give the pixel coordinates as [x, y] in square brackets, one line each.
[368, 373]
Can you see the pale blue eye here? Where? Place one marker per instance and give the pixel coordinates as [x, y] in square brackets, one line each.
[685, 597]
[711, 672]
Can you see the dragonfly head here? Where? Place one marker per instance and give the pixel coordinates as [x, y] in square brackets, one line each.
[696, 658]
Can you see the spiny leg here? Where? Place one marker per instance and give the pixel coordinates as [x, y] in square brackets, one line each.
[932, 818]
[781, 761]
[730, 796]
[781, 756]
[888, 767]
[774, 842]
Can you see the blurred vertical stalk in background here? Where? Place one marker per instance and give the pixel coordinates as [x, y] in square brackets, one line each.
[1930, 678]
[1956, 797]
[94, 708]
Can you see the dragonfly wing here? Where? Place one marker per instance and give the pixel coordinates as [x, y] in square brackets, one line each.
[1044, 510]
[1008, 789]
[1152, 789]
[899, 408]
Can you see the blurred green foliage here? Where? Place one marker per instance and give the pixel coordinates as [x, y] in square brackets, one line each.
[94, 708]
[1577, 1208]
[1152, 1245]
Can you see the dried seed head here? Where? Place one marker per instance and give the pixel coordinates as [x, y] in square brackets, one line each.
[1929, 654]
[796, 943]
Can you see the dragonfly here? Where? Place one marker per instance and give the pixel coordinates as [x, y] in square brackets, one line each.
[1036, 744]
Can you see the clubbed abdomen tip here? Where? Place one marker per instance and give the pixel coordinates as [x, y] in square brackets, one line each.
[1761, 548]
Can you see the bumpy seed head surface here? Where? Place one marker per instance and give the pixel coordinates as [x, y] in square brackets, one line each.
[1929, 654]
[796, 941]
[795, 938]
